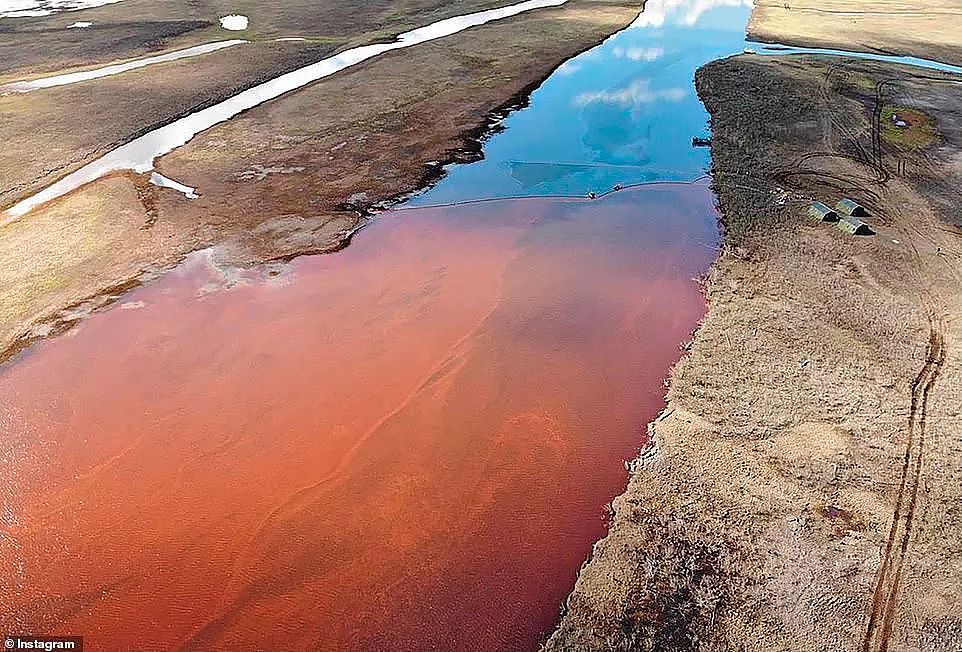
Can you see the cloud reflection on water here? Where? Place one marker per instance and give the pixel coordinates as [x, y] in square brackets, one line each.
[639, 54]
[681, 12]
[621, 113]
[637, 93]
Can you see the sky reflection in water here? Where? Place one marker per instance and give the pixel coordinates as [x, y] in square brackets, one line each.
[621, 113]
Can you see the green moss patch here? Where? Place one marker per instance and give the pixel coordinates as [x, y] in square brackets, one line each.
[907, 128]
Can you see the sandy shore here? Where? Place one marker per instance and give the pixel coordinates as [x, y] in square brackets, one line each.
[410, 112]
[802, 488]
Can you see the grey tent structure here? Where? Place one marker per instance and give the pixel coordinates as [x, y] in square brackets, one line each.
[854, 226]
[850, 207]
[822, 213]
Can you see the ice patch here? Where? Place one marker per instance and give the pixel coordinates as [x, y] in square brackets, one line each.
[79, 24]
[106, 71]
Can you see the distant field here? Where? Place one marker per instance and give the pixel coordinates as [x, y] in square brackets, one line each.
[926, 28]
[32, 45]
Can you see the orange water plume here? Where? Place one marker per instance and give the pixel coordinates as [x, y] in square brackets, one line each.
[405, 446]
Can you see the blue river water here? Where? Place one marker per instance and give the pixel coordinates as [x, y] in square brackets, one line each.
[622, 113]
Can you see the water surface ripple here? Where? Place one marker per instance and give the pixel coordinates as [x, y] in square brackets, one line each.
[404, 446]
[407, 445]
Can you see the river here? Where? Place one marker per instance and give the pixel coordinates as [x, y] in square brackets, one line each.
[407, 445]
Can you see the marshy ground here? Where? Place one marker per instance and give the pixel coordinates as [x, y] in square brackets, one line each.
[372, 133]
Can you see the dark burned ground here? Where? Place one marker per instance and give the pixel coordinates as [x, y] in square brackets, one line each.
[927, 153]
[803, 489]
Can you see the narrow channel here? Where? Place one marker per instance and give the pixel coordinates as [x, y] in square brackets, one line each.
[52, 81]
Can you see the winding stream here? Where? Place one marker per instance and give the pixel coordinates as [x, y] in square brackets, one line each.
[624, 112]
[407, 445]
[659, 45]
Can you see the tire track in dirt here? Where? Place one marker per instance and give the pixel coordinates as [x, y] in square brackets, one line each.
[884, 604]
[884, 601]
[842, 183]
[874, 158]
[885, 596]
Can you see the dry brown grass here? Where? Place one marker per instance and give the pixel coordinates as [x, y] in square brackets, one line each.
[926, 28]
[759, 518]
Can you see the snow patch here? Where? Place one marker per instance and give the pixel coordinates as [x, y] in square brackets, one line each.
[115, 69]
[30, 8]
[234, 22]
[138, 155]
[161, 181]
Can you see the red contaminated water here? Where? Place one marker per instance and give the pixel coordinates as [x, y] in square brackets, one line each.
[408, 445]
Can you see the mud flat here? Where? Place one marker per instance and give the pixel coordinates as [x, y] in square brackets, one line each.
[802, 488]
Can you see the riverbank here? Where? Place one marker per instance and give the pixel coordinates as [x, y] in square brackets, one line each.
[802, 487]
[926, 29]
[410, 112]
